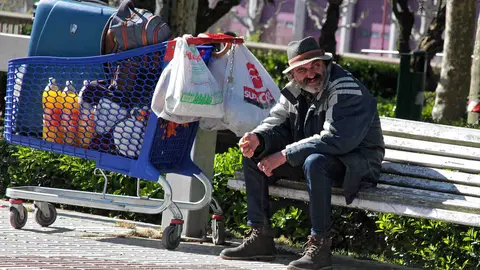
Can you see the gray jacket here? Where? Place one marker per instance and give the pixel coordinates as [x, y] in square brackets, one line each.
[343, 121]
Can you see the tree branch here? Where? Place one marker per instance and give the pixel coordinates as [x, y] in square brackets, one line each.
[327, 38]
[312, 15]
[240, 19]
[206, 17]
[395, 8]
[277, 11]
[405, 20]
[416, 35]
[360, 20]
[259, 11]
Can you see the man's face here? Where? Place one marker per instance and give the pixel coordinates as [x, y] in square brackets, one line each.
[311, 75]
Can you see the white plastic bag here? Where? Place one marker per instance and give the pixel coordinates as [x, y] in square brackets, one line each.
[249, 94]
[192, 89]
[158, 99]
[218, 68]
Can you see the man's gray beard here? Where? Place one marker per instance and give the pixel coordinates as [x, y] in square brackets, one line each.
[313, 90]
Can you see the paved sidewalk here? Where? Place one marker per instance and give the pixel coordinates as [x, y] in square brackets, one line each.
[82, 241]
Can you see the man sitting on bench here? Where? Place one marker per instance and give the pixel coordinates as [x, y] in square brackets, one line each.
[324, 129]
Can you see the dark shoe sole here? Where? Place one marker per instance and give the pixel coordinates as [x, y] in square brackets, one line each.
[290, 267]
[253, 258]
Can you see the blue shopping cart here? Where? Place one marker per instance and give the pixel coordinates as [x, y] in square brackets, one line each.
[109, 123]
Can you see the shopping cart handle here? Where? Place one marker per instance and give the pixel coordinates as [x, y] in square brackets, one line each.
[204, 39]
[214, 38]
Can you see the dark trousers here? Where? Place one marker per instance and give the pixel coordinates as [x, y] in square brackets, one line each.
[320, 172]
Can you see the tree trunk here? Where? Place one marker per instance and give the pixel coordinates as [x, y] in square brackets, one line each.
[327, 38]
[405, 20]
[207, 17]
[432, 43]
[475, 77]
[181, 16]
[452, 91]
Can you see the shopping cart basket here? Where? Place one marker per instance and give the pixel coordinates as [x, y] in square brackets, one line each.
[109, 123]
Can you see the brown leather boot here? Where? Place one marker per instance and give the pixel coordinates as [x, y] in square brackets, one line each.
[317, 255]
[257, 245]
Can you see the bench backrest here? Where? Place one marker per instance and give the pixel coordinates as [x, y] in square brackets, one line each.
[417, 150]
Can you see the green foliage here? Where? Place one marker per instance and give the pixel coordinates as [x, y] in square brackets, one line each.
[27, 29]
[430, 244]
[233, 202]
[255, 37]
[6, 160]
[428, 106]
[386, 107]
[293, 221]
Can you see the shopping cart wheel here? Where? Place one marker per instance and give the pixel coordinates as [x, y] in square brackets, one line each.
[18, 216]
[171, 236]
[218, 232]
[45, 216]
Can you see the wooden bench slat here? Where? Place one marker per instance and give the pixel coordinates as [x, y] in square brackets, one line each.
[431, 185]
[385, 192]
[435, 199]
[434, 132]
[434, 148]
[431, 173]
[385, 205]
[398, 193]
[427, 160]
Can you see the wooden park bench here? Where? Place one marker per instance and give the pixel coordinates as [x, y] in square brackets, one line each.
[430, 171]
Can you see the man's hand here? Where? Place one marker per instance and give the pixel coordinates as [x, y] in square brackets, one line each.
[248, 144]
[270, 163]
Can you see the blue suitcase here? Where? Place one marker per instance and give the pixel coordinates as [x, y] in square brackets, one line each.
[64, 28]
[68, 28]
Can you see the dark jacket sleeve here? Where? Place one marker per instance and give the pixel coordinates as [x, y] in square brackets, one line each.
[348, 119]
[275, 130]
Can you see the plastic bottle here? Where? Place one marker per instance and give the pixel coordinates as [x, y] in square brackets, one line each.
[52, 113]
[69, 88]
[71, 112]
[86, 123]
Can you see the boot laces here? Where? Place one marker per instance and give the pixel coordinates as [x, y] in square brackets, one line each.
[313, 246]
[251, 236]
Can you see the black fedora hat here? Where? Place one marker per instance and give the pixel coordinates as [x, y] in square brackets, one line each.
[304, 51]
